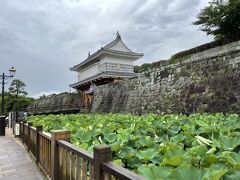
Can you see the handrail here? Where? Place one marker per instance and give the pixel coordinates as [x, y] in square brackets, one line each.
[46, 135]
[53, 108]
[120, 172]
[79, 152]
[33, 128]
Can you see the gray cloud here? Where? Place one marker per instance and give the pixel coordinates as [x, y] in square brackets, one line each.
[44, 38]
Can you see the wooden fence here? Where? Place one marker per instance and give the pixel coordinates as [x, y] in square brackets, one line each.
[61, 160]
[60, 108]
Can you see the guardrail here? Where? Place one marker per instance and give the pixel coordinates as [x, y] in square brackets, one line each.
[61, 160]
[53, 109]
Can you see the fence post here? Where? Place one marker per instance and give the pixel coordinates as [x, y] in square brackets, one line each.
[37, 148]
[102, 153]
[23, 137]
[28, 136]
[20, 127]
[57, 135]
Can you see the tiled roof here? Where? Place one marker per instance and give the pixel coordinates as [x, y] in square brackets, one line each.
[106, 50]
[104, 75]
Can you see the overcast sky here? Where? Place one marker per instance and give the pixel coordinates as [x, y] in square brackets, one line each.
[44, 38]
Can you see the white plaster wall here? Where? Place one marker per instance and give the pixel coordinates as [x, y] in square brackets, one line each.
[88, 72]
[112, 59]
[95, 69]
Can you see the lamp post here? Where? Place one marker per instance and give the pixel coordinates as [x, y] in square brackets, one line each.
[12, 71]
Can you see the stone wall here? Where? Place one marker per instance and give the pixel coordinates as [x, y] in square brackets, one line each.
[56, 103]
[207, 81]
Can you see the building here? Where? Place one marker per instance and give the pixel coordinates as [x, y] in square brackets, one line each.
[112, 62]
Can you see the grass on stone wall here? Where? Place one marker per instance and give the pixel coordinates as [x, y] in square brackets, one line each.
[182, 56]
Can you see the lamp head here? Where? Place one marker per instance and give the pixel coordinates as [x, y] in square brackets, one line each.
[12, 71]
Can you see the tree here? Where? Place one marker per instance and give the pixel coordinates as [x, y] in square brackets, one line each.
[221, 19]
[17, 95]
[17, 88]
[6, 101]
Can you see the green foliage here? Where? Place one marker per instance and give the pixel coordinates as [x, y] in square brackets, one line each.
[17, 87]
[137, 69]
[199, 146]
[12, 103]
[144, 67]
[221, 19]
[154, 172]
[15, 98]
[186, 173]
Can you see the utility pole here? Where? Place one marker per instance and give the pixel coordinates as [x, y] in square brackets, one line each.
[3, 83]
[12, 71]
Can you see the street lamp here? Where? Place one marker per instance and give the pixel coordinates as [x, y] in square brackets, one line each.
[12, 71]
[4, 77]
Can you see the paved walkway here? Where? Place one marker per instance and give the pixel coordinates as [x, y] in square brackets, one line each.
[15, 162]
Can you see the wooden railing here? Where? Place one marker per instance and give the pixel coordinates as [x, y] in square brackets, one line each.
[74, 163]
[61, 160]
[32, 140]
[45, 152]
[53, 108]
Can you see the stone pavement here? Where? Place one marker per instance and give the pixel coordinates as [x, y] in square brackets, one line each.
[15, 162]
